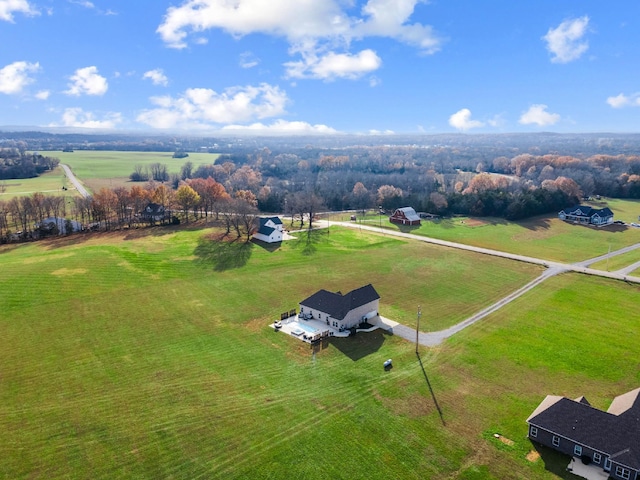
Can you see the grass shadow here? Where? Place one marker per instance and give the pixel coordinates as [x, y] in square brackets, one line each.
[555, 462]
[359, 345]
[222, 255]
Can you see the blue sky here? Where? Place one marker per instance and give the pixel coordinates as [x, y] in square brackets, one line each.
[321, 66]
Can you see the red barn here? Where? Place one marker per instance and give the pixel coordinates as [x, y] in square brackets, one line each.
[405, 216]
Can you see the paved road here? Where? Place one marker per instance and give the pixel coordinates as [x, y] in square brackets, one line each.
[76, 183]
[431, 339]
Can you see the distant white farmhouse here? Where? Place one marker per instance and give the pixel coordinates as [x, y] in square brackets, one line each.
[269, 230]
[342, 311]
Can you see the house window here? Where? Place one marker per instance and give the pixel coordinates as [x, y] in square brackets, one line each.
[533, 431]
[577, 450]
[555, 441]
[607, 464]
[623, 473]
[597, 458]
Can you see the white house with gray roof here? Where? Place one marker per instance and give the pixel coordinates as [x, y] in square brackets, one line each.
[342, 311]
[269, 230]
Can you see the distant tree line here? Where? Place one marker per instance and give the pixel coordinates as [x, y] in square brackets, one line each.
[21, 218]
[15, 164]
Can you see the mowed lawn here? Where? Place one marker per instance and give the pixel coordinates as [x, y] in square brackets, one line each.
[111, 169]
[544, 237]
[147, 355]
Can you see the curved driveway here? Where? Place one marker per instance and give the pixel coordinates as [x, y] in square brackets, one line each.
[553, 268]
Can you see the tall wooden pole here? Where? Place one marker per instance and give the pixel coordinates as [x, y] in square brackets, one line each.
[418, 327]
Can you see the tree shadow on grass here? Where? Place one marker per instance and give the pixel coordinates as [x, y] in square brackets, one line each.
[222, 255]
[555, 462]
[361, 344]
[308, 241]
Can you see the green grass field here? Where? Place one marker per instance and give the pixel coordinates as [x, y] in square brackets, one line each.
[146, 354]
[619, 261]
[544, 237]
[50, 183]
[111, 169]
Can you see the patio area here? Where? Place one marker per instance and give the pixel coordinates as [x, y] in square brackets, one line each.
[590, 472]
[312, 330]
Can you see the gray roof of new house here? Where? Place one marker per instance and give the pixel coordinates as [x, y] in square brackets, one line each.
[615, 432]
[338, 305]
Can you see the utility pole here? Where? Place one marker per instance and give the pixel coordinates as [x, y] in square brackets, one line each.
[418, 327]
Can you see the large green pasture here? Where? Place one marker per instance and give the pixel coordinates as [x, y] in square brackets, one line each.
[50, 183]
[146, 354]
[544, 237]
[110, 168]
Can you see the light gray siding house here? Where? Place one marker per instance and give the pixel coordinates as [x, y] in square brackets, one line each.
[342, 311]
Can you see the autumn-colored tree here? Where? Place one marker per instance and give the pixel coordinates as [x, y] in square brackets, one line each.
[439, 201]
[361, 199]
[188, 199]
[245, 178]
[389, 196]
[104, 204]
[569, 187]
[247, 196]
[162, 195]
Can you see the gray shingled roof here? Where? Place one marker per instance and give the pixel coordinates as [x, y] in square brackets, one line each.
[338, 305]
[588, 211]
[615, 435]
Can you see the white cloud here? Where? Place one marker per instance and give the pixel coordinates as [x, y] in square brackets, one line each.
[87, 81]
[9, 7]
[77, 117]
[537, 114]
[388, 18]
[312, 28]
[15, 76]
[334, 65]
[622, 100]
[82, 3]
[565, 41]
[282, 126]
[248, 60]
[43, 94]
[381, 132]
[157, 77]
[462, 120]
[201, 107]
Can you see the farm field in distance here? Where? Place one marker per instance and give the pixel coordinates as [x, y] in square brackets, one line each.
[49, 183]
[111, 169]
[544, 237]
[147, 354]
